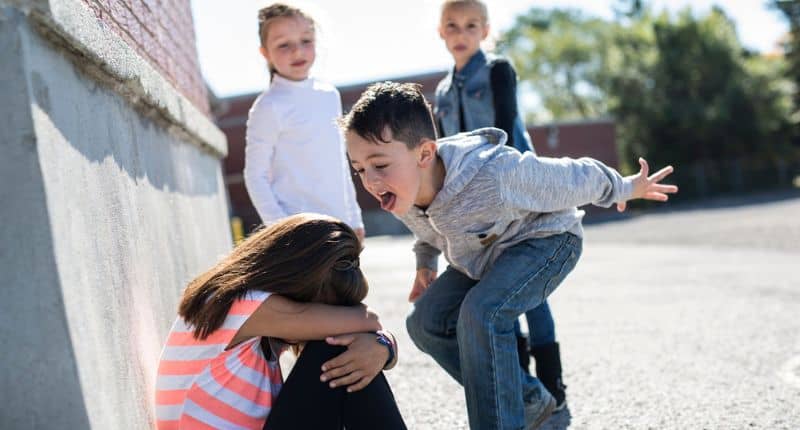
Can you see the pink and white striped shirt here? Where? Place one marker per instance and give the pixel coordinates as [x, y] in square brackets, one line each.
[200, 385]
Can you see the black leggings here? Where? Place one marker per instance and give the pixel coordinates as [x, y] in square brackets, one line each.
[305, 402]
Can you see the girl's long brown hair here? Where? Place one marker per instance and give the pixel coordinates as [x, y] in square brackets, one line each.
[305, 257]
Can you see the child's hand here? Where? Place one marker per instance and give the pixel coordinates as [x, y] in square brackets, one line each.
[648, 188]
[356, 367]
[421, 283]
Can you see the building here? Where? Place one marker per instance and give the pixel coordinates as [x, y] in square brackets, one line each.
[113, 198]
[572, 139]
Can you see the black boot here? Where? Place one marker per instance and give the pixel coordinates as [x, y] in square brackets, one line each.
[522, 351]
[548, 370]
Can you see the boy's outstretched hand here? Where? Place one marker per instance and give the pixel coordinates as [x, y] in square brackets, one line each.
[648, 187]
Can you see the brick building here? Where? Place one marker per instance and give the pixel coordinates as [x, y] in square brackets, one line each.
[573, 139]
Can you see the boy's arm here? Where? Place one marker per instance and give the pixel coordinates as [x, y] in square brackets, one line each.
[427, 262]
[427, 255]
[261, 138]
[548, 184]
[284, 318]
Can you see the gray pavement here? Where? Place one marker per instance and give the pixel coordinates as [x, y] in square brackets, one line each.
[684, 319]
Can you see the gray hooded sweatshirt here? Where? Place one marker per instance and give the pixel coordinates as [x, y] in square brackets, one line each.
[494, 197]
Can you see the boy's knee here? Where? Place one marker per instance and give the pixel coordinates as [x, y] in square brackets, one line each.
[414, 323]
[479, 316]
[423, 320]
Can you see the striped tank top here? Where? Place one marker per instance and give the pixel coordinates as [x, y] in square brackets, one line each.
[200, 385]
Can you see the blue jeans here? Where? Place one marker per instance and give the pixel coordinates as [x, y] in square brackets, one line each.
[541, 327]
[467, 326]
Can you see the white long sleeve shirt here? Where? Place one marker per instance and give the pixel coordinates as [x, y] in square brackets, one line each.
[295, 157]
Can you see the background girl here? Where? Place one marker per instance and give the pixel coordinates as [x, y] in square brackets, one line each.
[294, 157]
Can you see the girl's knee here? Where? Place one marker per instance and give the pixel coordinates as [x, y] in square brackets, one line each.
[319, 351]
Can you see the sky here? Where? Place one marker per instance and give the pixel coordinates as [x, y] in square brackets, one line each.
[365, 40]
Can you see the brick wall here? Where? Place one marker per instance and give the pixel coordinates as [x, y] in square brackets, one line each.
[163, 33]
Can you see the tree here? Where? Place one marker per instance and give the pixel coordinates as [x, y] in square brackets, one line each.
[681, 88]
[791, 12]
[706, 99]
[556, 53]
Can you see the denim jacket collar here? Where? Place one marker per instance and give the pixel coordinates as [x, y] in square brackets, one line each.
[473, 65]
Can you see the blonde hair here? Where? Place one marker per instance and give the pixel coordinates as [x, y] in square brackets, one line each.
[448, 4]
[272, 12]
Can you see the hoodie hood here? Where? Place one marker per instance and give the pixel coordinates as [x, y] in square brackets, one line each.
[463, 155]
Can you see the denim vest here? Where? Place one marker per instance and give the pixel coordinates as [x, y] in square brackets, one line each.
[472, 86]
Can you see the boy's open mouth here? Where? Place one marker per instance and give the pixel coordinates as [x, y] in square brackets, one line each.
[387, 200]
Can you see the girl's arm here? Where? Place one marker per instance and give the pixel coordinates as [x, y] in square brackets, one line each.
[284, 318]
[503, 80]
[262, 136]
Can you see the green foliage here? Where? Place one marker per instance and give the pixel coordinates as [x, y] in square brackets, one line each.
[556, 53]
[681, 87]
[791, 12]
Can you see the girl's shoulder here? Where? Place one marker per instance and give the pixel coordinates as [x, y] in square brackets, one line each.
[324, 87]
[264, 105]
[497, 61]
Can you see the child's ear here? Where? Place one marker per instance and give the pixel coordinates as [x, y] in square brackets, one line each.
[264, 52]
[486, 29]
[427, 153]
[441, 31]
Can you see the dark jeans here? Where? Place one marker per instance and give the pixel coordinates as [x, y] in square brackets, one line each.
[305, 402]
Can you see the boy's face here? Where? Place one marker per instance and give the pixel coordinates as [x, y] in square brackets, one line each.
[390, 172]
[463, 28]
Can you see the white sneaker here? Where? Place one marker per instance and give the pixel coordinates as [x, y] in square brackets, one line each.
[537, 413]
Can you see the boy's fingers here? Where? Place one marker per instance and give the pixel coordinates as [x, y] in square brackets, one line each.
[661, 174]
[621, 206]
[645, 168]
[656, 196]
[416, 291]
[664, 188]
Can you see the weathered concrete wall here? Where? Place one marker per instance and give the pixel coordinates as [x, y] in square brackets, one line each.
[111, 199]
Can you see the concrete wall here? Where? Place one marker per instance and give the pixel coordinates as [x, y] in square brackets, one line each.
[111, 199]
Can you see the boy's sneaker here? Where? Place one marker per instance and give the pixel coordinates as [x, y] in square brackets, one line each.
[537, 413]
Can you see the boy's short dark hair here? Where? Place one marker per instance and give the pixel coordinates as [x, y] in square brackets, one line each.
[400, 108]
